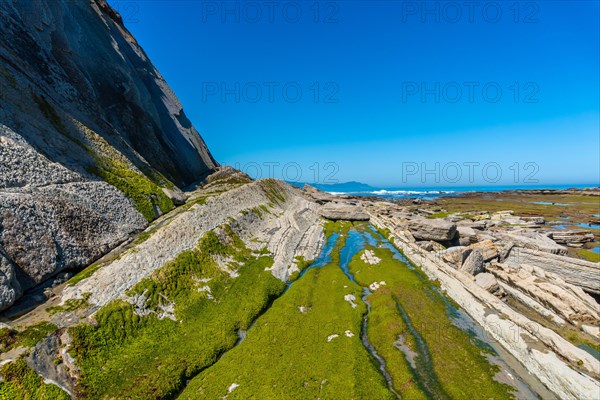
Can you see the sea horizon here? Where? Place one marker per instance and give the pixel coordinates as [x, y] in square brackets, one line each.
[430, 192]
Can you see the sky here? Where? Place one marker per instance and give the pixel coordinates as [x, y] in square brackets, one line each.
[390, 93]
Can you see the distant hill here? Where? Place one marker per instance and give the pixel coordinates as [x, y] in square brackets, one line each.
[352, 186]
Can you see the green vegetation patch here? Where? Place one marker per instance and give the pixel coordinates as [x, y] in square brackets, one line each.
[441, 214]
[71, 305]
[21, 382]
[84, 274]
[580, 208]
[588, 255]
[126, 355]
[146, 195]
[406, 312]
[306, 346]
[28, 337]
[273, 190]
[9, 77]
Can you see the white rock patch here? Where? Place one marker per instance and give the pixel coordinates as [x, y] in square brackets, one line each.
[376, 285]
[369, 257]
[232, 387]
[350, 298]
[208, 291]
[331, 337]
[349, 333]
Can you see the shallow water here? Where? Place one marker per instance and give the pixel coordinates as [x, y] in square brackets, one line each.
[511, 371]
[323, 259]
[590, 350]
[589, 226]
[581, 225]
[355, 242]
[547, 203]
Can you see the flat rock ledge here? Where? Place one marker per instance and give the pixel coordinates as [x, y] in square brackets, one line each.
[343, 211]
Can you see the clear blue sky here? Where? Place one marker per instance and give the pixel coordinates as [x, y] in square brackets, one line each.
[371, 60]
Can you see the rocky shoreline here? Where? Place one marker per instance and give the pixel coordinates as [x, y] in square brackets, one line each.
[484, 259]
[510, 273]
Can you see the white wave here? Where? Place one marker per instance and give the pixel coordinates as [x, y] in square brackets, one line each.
[409, 192]
[384, 192]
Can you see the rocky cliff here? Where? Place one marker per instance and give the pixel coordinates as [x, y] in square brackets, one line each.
[93, 142]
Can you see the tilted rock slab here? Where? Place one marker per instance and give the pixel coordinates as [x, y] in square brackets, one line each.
[291, 228]
[582, 273]
[566, 300]
[571, 237]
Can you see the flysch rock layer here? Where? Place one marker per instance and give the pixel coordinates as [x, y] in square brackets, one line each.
[291, 228]
[582, 273]
[544, 353]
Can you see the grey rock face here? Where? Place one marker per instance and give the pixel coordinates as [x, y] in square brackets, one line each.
[473, 264]
[78, 98]
[432, 229]
[466, 235]
[47, 229]
[75, 59]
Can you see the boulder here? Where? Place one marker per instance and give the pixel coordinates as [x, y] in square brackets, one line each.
[438, 230]
[479, 225]
[177, 196]
[489, 282]
[534, 220]
[454, 255]
[506, 248]
[466, 235]
[458, 254]
[430, 245]
[10, 289]
[487, 248]
[473, 264]
[343, 211]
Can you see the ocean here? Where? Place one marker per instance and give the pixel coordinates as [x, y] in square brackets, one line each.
[426, 193]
